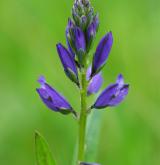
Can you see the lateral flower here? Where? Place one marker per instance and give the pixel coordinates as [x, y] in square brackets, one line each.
[68, 63]
[78, 38]
[95, 83]
[102, 52]
[52, 99]
[70, 47]
[91, 31]
[113, 95]
[75, 37]
[78, 42]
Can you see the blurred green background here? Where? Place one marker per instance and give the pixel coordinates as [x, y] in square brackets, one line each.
[29, 31]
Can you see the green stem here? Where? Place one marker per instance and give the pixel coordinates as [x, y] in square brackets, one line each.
[83, 116]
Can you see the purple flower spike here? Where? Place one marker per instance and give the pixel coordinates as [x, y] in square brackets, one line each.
[95, 83]
[102, 53]
[52, 99]
[113, 95]
[68, 63]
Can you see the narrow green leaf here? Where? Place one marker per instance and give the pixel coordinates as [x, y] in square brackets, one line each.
[75, 153]
[43, 153]
[92, 135]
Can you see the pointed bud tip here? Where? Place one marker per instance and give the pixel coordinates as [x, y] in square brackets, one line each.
[120, 76]
[58, 45]
[41, 80]
[120, 80]
[110, 35]
[70, 22]
[36, 133]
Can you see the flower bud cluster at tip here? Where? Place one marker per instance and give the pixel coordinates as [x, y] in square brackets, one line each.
[81, 30]
[82, 13]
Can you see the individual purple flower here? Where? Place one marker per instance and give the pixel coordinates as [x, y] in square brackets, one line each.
[95, 83]
[78, 43]
[52, 99]
[102, 52]
[68, 63]
[79, 39]
[91, 31]
[69, 26]
[113, 95]
[93, 27]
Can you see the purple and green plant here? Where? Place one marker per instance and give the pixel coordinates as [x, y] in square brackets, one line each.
[86, 74]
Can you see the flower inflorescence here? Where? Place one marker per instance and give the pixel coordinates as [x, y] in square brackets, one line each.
[80, 34]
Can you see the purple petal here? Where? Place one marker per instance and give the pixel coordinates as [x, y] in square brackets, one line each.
[67, 61]
[52, 99]
[88, 75]
[113, 95]
[70, 49]
[69, 26]
[102, 52]
[96, 22]
[92, 28]
[95, 83]
[91, 32]
[42, 80]
[120, 80]
[119, 96]
[106, 96]
[79, 39]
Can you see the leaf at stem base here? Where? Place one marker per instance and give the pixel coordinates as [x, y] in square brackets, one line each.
[43, 153]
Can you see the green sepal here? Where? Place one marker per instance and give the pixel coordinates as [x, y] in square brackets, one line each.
[72, 76]
[76, 17]
[90, 43]
[98, 70]
[81, 57]
[90, 16]
[83, 25]
[65, 111]
[70, 37]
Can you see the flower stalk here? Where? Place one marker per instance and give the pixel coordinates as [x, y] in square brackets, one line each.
[83, 116]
